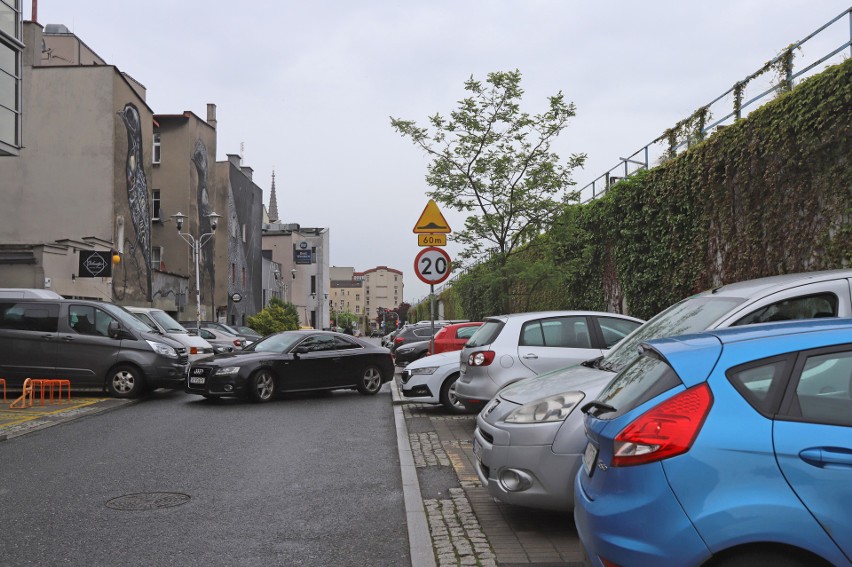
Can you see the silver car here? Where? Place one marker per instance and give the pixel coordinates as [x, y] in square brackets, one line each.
[529, 439]
[222, 341]
[509, 348]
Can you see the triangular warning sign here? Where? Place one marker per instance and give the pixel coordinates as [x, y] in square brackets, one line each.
[432, 221]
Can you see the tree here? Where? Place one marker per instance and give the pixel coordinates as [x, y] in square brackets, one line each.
[495, 162]
[277, 316]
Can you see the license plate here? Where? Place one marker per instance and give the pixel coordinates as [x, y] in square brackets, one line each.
[196, 379]
[589, 458]
[477, 448]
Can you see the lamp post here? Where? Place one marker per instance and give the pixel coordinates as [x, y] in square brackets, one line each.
[319, 302]
[196, 245]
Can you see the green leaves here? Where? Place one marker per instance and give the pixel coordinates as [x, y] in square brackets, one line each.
[277, 316]
[493, 161]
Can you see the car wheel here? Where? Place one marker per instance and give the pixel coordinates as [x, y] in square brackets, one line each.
[448, 395]
[370, 381]
[261, 386]
[125, 382]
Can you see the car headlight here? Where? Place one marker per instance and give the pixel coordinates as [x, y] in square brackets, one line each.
[549, 409]
[426, 370]
[227, 371]
[162, 349]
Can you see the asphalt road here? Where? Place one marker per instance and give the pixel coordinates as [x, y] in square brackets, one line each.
[307, 480]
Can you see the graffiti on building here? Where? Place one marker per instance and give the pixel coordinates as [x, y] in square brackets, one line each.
[208, 266]
[137, 200]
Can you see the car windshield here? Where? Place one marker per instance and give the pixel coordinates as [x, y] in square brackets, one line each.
[126, 317]
[280, 343]
[165, 321]
[688, 316]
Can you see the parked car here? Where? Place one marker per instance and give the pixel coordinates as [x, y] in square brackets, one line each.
[162, 323]
[731, 446]
[293, 361]
[413, 334]
[432, 380]
[247, 332]
[192, 325]
[24, 293]
[523, 345]
[222, 341]
[530, 438]
[453, 337]
[92, 344]
[410, 352]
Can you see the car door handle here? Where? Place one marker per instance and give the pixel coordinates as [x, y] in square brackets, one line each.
[68, 338]
[530, 355]
[827, 457]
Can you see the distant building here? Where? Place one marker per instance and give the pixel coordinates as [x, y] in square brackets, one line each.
[347, 295]
[383, 288]
[303, 254]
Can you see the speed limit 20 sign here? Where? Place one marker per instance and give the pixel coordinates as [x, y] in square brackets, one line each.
[432, 265]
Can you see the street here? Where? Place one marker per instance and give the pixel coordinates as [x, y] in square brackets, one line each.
[304, 480]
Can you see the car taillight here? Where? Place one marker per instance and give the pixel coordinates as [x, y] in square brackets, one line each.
[398, 340]
[665, 430]
[483, 358]
[237, 342]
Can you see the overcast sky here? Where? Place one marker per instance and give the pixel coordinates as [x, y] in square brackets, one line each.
[308, 87]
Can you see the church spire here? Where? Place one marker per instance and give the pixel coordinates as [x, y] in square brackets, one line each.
[273, 203]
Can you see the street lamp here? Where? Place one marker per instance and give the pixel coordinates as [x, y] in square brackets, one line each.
[196, 245]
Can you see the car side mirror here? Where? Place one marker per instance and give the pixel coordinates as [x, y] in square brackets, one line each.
[115, 331]
[301, 350]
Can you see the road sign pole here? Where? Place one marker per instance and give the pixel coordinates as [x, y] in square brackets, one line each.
[432, 318]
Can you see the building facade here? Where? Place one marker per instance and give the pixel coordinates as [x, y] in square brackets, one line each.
[347, 296]
[78, 191]
[11, 57]
[383, 289]
[303, 254]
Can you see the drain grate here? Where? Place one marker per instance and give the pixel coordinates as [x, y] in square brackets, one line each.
[148, 501]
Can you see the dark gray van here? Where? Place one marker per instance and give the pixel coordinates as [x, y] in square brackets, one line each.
[90, 343]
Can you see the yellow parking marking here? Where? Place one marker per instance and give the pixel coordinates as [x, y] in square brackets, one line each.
[10, 417]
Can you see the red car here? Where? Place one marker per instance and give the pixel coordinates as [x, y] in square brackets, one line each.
[453, 337]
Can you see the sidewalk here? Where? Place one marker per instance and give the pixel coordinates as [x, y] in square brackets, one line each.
[466, 526]
[16, 422]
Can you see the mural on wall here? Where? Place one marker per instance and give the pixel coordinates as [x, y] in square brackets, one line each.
[140, 215]
[207, 260]
[245, 216]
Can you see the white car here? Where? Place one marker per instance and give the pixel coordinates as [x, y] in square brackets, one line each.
[432, 380]
[161, 322]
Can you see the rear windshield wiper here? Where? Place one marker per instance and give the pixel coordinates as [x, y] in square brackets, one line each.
[597, 408]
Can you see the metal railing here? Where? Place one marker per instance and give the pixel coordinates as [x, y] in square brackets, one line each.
[695, 128]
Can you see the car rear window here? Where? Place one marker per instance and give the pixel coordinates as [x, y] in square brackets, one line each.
[644, 378]
[486, 334]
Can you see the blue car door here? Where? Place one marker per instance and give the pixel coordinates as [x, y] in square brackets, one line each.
[813, 439]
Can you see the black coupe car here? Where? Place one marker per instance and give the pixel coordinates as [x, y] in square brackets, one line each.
[293, 361]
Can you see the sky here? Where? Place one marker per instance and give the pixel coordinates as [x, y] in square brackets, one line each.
[307, 88]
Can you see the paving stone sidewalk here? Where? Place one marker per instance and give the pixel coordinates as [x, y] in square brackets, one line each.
[467, 526]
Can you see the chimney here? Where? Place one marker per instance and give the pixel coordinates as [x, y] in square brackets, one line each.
[211, 115]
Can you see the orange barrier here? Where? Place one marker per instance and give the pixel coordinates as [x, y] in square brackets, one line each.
[43, 384]
[3, 381]
[28, 393]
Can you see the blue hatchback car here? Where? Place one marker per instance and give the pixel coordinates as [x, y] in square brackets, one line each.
[728, 447]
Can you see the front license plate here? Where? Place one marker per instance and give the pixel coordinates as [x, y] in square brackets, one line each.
[196, 380]
[477, 448]
[589, 458]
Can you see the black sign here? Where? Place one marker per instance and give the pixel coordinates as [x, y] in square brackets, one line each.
[95, 265]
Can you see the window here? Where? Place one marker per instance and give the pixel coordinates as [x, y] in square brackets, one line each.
[357, 297]
[42, 318]
[357, 309]
[156, 257]
[823, 389]
[614, 330]
[244, 278]
[156, 153]
[155, 205]
[87, 320]
[564, 332]
[234, 274]
[808, 307]
[761, 382]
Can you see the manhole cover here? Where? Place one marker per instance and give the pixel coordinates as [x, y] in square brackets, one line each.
[148, 501]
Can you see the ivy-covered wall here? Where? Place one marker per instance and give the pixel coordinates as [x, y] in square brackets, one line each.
[767, 195]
